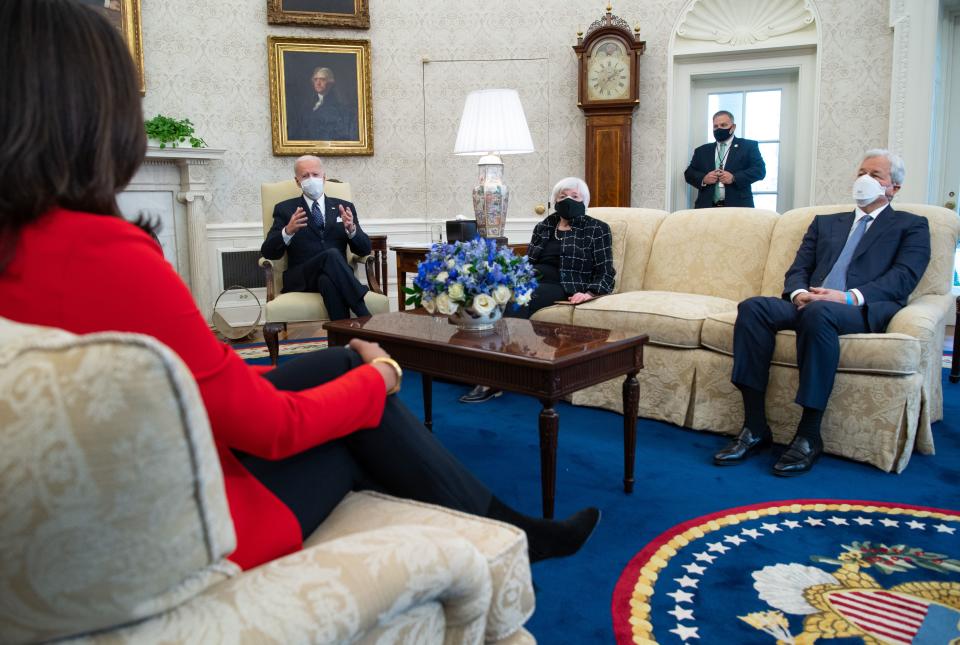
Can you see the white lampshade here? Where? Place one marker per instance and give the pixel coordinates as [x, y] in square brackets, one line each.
[493, 122]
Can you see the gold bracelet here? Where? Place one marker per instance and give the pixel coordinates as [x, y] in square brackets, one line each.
[396, 368]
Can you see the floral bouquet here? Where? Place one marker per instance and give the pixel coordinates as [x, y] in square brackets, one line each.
[475, 276]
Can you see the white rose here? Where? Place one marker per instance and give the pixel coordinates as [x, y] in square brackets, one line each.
[442, 276]
[465, 269]
[445, 305]
[483, 304]
[429, 305]
[451, 263]
[523, 298]
[456, 292]
[502, 294]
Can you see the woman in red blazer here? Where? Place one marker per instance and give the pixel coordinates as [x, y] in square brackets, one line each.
[292, 441]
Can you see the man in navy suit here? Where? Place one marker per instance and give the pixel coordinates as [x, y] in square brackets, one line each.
[852, 273]
[314, 231]
[723, 171]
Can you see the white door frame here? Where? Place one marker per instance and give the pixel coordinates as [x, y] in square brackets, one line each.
[802, 61]
[784, 80]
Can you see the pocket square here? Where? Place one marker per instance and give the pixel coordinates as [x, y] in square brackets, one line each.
[339, 219]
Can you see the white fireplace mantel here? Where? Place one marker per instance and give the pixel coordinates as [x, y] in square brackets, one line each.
[173, 186]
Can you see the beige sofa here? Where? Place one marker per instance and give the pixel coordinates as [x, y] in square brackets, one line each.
[115, 529]
[679, 279]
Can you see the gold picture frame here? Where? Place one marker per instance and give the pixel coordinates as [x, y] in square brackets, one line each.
[125, 16]
[319, 13]
[321, 100]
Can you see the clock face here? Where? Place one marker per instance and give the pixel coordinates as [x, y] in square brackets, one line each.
[608, 71]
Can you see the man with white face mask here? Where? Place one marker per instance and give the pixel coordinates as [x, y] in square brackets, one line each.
[852, 273]
[314, 231]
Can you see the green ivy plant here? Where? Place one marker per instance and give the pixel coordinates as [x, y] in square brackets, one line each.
[173, 132]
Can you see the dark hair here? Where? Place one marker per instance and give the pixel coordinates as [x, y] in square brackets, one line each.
[71, 124]
[722, 112]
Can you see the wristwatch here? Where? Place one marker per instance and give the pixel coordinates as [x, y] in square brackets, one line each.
[396, 368]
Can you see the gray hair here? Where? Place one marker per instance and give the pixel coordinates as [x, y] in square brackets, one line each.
[576, 184]
[324, 71]
[897, 171]
[307, 158]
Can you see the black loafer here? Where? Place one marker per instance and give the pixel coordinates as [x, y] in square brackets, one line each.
[799, 457]
[747, 443]
[480, 394]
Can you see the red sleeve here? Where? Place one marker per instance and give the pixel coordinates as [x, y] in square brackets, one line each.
[246, 411]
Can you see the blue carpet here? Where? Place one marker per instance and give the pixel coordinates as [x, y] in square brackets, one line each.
[676, 482]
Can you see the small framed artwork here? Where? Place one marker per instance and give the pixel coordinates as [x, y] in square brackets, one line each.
[125, 16]
[320, 96]
[321, 13]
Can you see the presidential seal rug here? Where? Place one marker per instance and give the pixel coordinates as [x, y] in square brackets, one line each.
[800, 571]
[252, 351]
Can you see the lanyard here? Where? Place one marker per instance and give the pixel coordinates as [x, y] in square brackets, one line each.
[722, 161]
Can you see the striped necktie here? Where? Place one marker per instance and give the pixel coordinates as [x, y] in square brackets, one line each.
[317, 215]
[837, 278]
[718, 189]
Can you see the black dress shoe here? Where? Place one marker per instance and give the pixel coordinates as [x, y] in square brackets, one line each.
[799, 457]
[480, 394]
[747, 443]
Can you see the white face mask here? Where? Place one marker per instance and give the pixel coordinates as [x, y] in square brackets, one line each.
[312, 187]
[866, 190]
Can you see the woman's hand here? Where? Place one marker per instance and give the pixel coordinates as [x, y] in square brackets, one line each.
[369, 351]
[581, 296]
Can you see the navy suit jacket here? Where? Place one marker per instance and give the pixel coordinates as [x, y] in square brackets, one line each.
[743, 162]
[885, 268]
[308, 242]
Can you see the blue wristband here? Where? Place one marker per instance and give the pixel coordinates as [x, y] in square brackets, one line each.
[849, 298]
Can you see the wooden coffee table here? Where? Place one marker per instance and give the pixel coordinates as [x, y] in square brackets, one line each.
[545, 360]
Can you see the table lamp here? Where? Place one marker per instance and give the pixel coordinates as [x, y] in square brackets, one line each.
[492, 124]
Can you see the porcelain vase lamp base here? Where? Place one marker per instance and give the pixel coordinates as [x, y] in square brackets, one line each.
[490, 198]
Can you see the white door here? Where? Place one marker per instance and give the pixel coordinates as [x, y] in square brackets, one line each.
[764, 107]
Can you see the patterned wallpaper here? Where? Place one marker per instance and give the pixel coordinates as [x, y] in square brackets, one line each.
[207, 61]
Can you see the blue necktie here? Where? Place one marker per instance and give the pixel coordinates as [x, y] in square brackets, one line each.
[837, 278]
[317, 216]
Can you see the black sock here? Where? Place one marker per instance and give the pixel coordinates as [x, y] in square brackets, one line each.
[548, 538]
[809, 426]
[754, 409]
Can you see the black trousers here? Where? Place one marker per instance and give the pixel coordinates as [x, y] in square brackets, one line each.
[819, 326]
[328, 274]
[544, 295]
[399, 457]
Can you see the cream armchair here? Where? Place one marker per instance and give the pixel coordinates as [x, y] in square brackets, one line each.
[283, 308]
[115, 529]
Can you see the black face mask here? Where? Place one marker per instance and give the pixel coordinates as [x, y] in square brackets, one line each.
[571, 210]
[721, 134]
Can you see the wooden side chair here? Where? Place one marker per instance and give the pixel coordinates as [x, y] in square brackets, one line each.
[283, 308]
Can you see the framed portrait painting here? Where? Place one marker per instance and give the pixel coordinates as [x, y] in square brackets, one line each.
[324, 13]
[125, 16]
[320, 96]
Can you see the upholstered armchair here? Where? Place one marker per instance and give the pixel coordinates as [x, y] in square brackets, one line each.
[283, 308]
[114, 527]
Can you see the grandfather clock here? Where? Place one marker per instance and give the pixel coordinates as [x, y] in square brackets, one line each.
[608, 93]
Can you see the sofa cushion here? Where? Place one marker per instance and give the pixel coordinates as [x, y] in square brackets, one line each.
[711, 251]
[633, 231]
[503, 545]
[672, 319]
[297, 306]
[894, 354]
[113, 503]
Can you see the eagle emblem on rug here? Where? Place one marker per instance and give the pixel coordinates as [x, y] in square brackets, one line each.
[848, 602]
[797, 572]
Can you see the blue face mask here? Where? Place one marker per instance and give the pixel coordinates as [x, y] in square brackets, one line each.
[571, 210]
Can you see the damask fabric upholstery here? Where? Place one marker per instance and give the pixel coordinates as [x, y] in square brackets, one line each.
[115, 525]
[888, 391]
[113, 502]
